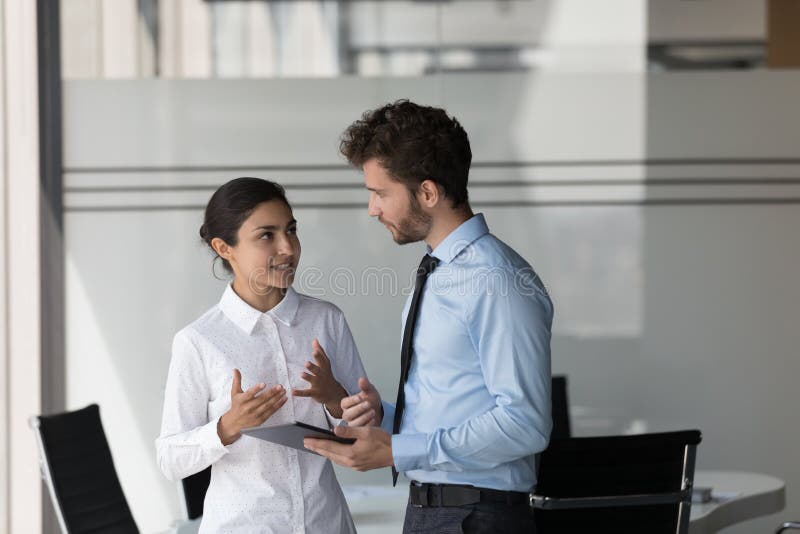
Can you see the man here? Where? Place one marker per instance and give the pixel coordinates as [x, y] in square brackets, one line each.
[473, 404]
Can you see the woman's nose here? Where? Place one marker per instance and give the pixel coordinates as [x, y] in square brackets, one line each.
[286, 246]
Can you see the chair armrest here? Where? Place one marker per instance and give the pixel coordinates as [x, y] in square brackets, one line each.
[789, 525]
[557, 503]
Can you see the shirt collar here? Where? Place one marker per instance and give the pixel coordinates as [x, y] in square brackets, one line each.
[245, 316]
[452, 245]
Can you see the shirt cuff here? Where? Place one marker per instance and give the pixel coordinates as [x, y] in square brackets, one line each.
[210, 441]
[409, 452]
[332, 421]
[387, 423]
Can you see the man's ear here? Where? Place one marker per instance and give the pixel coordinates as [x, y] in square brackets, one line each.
[429, 193]
[221, 248]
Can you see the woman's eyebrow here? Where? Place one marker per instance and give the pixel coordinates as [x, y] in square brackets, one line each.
[273, 227]
[268, 227]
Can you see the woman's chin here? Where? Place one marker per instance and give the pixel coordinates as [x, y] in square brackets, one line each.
[282, 281]
[277, 283]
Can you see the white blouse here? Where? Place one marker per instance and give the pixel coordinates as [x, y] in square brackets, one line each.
[256, 486]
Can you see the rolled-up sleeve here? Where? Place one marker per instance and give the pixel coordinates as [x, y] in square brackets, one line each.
[188, 442]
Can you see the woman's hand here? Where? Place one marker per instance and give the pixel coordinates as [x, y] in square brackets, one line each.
[324, 387]
[248, 408]
[364, 408]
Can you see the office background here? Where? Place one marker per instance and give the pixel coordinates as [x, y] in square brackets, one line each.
[643, 156]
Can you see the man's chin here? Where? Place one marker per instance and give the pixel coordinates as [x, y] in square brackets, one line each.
[402, 238]
[405, 239]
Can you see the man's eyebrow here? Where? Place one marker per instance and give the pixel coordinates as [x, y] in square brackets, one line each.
[273, 227]
[374, 189]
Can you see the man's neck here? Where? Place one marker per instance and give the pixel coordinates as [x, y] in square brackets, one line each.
[445, 224]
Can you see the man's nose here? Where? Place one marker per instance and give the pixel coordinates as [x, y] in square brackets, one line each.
[372, 207]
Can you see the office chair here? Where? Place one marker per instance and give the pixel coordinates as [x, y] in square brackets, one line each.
[619, 484]
[77, 467]
[560, 403]
[791, 525]
[194, 492]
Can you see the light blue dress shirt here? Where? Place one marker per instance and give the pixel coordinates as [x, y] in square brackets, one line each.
[478, 393]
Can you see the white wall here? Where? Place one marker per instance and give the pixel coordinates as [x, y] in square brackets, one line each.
[20, 310]
[675, 305]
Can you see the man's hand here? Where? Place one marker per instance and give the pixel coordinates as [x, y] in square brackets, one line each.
[372, 449]
[324, 387]
[248, 408]
[364, 408]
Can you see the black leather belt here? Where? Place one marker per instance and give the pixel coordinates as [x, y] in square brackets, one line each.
[456, 495]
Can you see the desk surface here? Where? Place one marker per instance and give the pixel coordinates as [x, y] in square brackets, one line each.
[736, 496]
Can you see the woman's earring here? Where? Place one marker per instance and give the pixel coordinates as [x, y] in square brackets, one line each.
[213, 268]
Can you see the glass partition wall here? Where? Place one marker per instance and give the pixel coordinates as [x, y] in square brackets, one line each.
[587, 159]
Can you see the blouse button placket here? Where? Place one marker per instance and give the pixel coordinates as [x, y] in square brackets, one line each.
[280, 361]
[283, 372]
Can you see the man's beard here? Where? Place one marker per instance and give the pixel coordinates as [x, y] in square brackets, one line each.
[415, 226]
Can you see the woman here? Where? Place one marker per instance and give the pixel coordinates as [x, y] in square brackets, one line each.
[246, 362]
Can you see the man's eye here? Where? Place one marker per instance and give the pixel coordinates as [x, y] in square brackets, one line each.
[292, 231]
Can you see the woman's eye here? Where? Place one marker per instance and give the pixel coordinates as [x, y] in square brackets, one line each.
[266, 235]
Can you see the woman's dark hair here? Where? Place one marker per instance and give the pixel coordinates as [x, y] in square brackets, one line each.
[232, 204]
[413, 143]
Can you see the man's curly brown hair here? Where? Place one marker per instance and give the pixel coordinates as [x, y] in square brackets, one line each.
[413, 143]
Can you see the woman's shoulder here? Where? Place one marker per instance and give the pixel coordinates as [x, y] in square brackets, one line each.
[194, 330]
[317, 306]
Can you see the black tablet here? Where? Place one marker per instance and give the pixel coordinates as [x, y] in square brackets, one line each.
[292, 434]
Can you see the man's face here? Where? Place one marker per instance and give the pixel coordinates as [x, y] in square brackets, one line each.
[394, 206]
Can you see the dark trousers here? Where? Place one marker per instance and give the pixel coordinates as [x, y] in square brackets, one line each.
[480, 518]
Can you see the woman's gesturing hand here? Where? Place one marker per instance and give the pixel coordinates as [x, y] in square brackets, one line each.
[324, 387]
[248, 408]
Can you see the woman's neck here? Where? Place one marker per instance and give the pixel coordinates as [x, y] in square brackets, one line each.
[263, 302]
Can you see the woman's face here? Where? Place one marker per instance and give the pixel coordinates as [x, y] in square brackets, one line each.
[268, 251]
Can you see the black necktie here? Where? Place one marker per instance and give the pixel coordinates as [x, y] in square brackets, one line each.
[426, 267]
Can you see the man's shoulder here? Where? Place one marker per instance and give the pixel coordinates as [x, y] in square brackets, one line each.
[493, 259]
[490, 251]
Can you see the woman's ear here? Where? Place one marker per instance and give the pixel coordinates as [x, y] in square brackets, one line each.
[429, 193]
[221, 248]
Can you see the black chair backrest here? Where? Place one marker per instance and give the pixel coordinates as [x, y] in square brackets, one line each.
[84, 480]
[647, 464]
[560, 403]
[194, 492]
